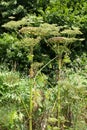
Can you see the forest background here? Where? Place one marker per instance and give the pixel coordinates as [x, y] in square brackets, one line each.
[43, 65]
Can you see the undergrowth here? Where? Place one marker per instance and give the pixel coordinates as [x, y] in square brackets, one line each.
[14, 101]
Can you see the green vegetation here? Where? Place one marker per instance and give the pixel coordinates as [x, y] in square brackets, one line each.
[43, 65]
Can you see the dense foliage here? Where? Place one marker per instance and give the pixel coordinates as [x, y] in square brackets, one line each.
[43, 71]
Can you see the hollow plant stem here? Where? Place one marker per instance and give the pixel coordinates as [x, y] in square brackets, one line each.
[59, 106]
[59, 91]
[31, 73]
[31, 107]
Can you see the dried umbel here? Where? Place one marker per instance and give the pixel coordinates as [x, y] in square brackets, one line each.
[43, 30]
[56, 39]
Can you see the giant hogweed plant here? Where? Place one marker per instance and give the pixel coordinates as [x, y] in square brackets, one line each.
[29, 32]
[61, 46]
[31, 43]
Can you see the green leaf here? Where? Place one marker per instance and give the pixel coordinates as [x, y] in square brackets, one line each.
[52, 120]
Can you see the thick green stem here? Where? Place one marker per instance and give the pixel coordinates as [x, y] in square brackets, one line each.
[31, 73]
[59, 107]
[59, 92]
[31, 107]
